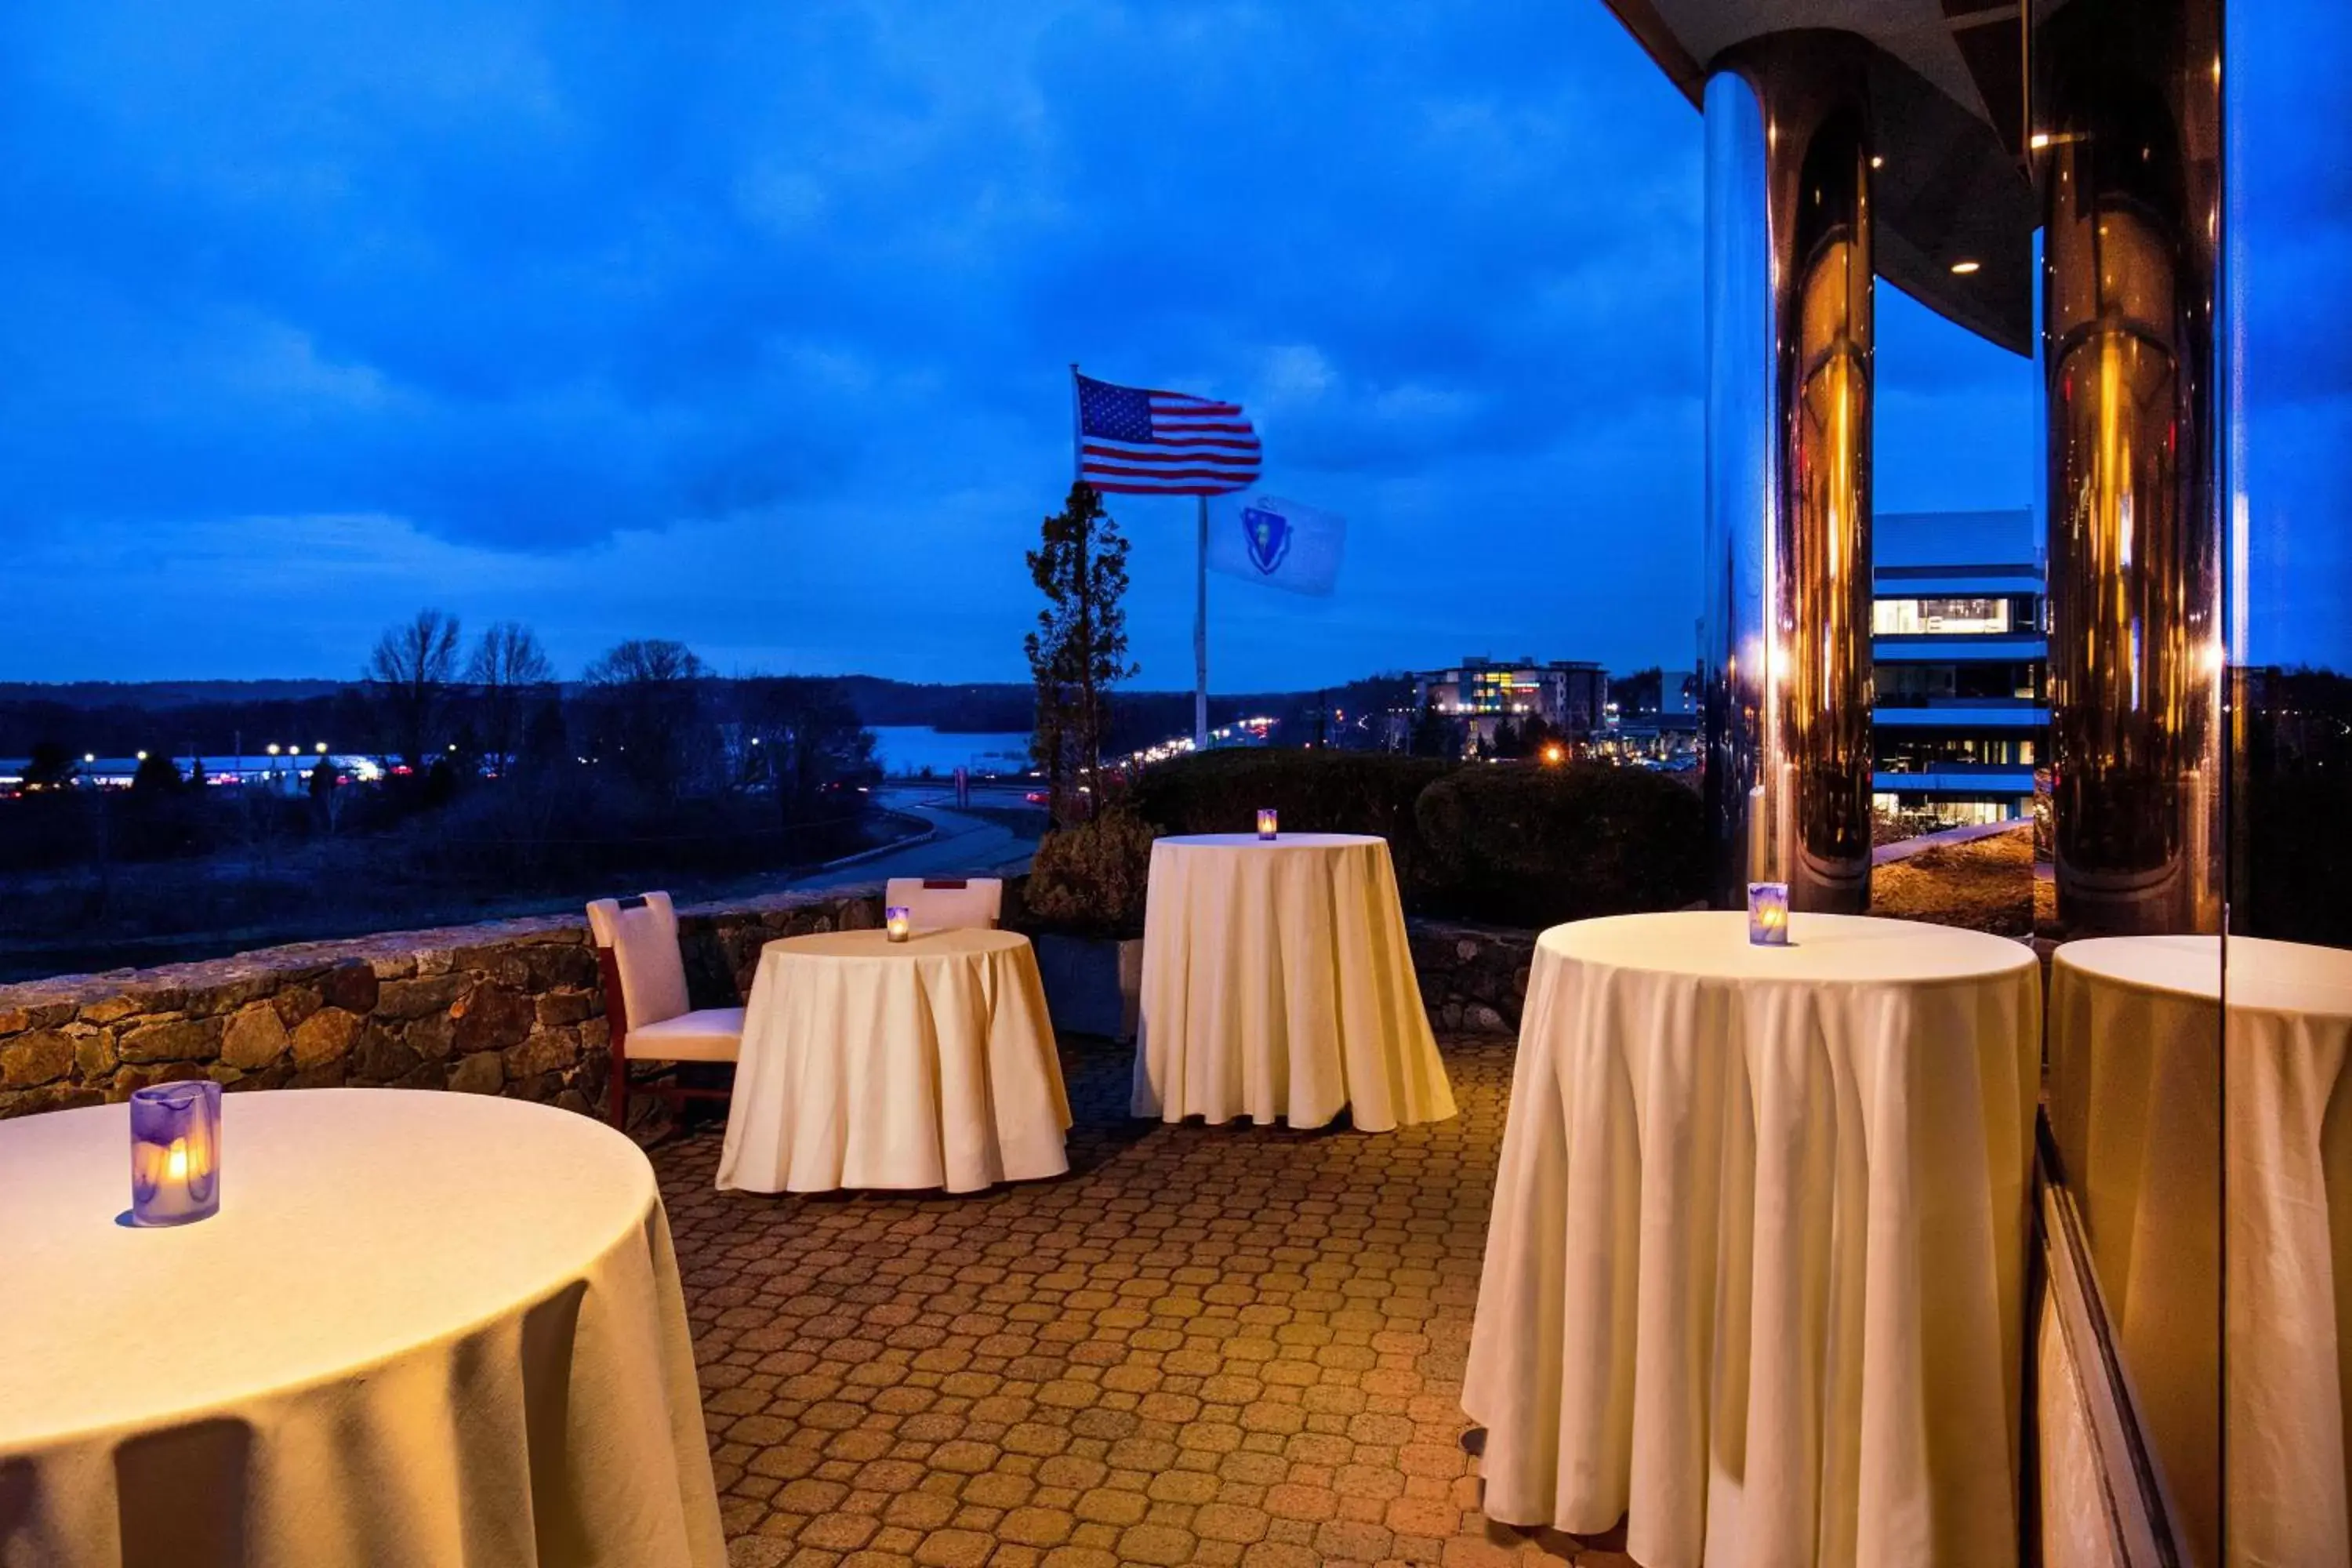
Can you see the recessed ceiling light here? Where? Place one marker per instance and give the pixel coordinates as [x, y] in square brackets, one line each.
[1964, 268]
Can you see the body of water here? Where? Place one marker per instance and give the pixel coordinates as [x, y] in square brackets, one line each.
[905, 749]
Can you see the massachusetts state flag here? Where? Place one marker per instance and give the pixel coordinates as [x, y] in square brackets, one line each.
[1277, 543]
[1132, 441]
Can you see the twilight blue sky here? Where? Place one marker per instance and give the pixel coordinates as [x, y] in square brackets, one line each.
[748, 326]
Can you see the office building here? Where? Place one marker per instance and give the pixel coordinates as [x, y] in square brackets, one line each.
[1960, 647]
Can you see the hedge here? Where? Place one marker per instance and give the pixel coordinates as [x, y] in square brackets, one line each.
[1316, 792]
[1509, 843]
[1531, 846]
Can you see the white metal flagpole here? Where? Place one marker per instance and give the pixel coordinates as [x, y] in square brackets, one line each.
[1201, 639]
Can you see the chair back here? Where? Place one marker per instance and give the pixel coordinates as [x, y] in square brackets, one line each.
[637, 939]
[946, 903]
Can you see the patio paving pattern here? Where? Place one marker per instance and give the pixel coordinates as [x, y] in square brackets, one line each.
[1214, 1345]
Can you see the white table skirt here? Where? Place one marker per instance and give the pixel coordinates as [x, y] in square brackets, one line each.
[423, 1329]
[1278, 984]
[2137, 1028]
[869, 1063]
[1755, 1276]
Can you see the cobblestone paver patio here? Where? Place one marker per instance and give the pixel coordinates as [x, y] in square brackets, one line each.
[1214, 1345]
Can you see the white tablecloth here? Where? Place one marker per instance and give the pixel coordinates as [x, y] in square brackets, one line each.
[423, 1329]
[870, 1062]
[2137, 1105]
[1277, 986]
[1755, 1276]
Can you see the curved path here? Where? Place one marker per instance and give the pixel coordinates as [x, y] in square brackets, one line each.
[959, 845]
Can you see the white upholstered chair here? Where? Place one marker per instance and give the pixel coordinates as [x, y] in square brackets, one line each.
[945, 903]
[645, 1010]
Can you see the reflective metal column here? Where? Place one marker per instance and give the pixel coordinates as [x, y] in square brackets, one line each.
[1787, 611]
[2127, 124]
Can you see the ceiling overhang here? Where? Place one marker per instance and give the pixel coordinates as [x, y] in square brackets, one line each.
[1948, 105]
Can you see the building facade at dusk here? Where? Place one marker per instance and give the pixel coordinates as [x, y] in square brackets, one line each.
[1960, 646]
[1571, 695]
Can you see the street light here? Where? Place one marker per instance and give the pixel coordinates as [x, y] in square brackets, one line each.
[273, 748]
[322, 748]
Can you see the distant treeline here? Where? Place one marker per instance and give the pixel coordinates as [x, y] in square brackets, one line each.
[215, 717]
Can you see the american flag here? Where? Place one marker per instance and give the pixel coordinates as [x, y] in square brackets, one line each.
[1136, 442]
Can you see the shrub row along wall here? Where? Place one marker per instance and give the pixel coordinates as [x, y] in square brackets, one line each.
[512, 1008]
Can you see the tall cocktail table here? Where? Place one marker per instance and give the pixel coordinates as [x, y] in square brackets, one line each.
[1755, 1276]
[424, 1328]
[870, 1062]
[1278, 984]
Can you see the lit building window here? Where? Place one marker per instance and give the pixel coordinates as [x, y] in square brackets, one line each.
[1910, 617]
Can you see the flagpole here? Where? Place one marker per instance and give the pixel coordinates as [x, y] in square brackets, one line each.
[1077, 430]
[1200, 636]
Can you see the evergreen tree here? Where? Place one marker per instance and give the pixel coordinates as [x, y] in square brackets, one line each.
[51, 766]
[1433, 733]
[1079, 648]
[155, 776]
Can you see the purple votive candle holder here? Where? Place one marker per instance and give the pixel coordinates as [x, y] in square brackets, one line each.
[175, 1151]
[1768, 914]
[1267, 822]
[897, 922]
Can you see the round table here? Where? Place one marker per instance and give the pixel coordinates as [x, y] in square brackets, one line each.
[424, 1328]
[1278, 984]
[1755, 1274]
[2138, 1036]
[869, 1063]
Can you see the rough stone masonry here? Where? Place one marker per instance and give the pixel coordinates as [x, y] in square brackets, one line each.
[511, 1007]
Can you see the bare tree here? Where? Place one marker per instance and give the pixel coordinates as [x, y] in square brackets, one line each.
[645, 698]
[507, 671]
[410, 672]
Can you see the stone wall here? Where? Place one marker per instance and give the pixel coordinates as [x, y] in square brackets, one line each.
[1474, 979]
[511, 1007]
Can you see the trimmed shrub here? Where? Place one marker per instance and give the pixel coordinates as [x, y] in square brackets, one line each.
[1530, 846]
[1089, 880]
[1316, 792]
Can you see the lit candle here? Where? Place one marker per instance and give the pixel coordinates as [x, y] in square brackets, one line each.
[1265, 822]
[175, 1148]
[898, 922]
[1767, 913]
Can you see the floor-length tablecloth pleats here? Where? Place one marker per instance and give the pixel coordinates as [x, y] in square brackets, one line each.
[1279, 985]
[1754, 1276]
[928, 1063]
[2163, 1103]
[563, 1427]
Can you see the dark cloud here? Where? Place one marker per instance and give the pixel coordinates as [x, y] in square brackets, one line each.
[538, 284]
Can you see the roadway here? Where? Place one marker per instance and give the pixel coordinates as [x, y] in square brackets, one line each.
[959, 845]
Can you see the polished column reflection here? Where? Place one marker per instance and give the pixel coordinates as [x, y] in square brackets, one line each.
[2127, 124]
[1787, 624]
[2125, 141]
